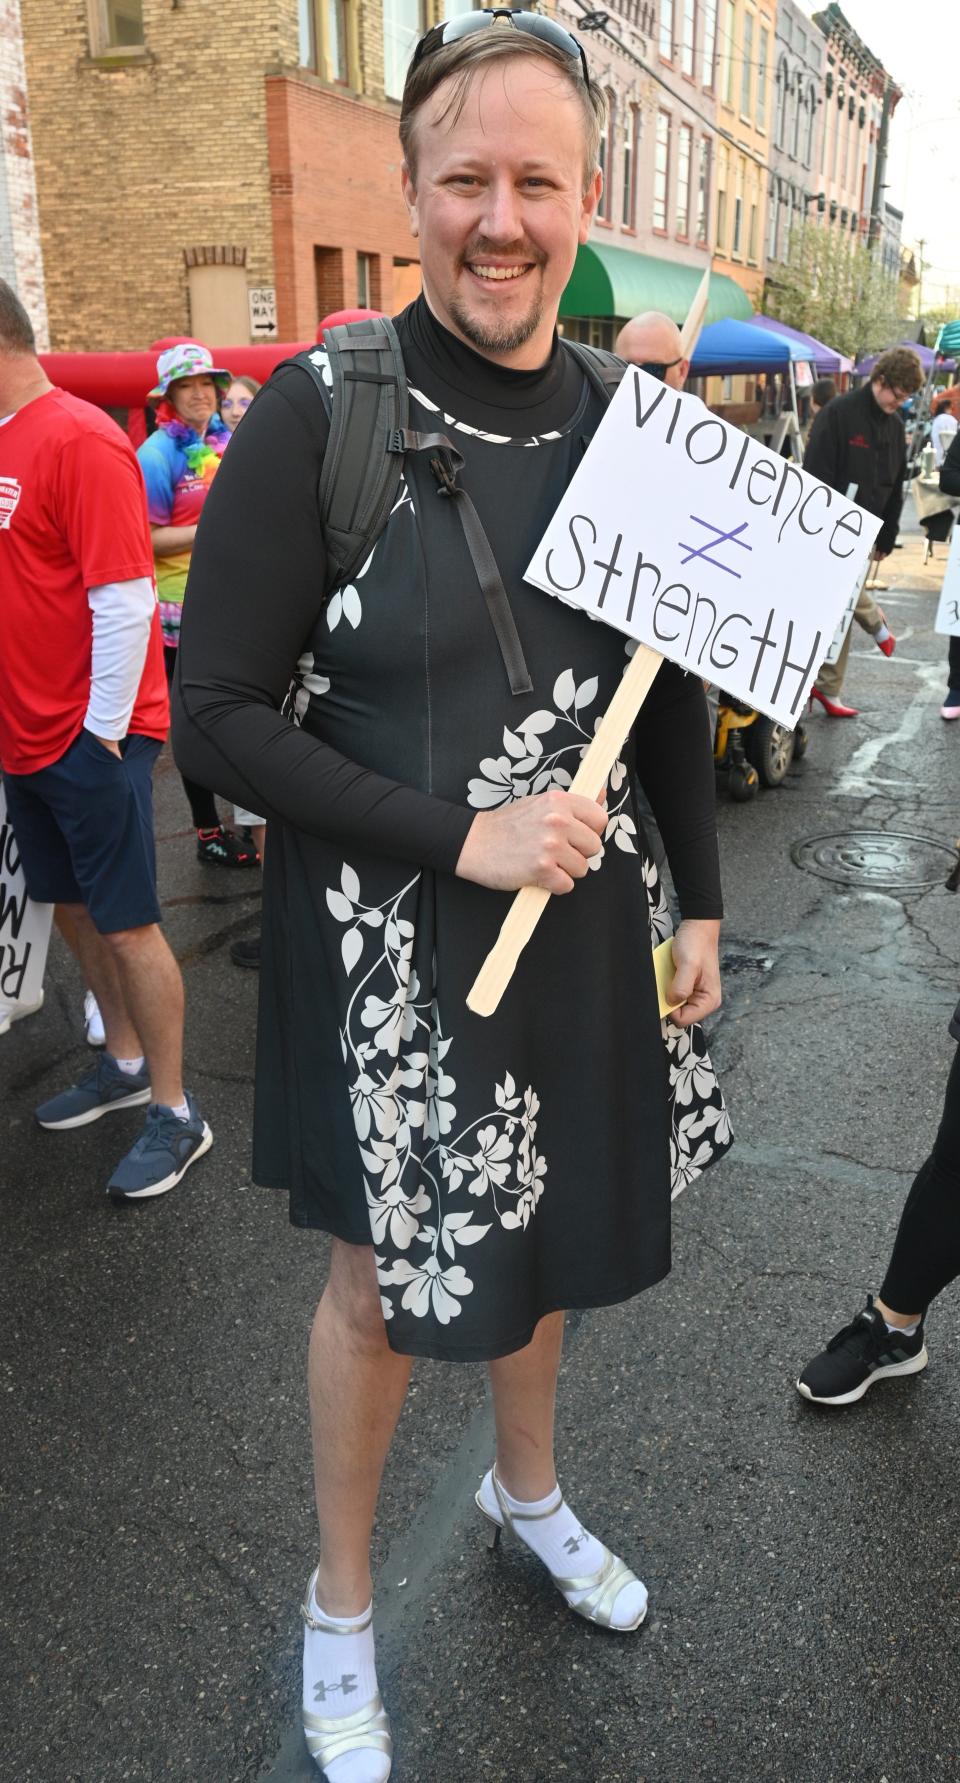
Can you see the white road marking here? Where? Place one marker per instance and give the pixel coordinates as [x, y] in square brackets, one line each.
[859, 779]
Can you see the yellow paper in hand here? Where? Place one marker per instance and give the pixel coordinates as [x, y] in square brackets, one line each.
[664, 969]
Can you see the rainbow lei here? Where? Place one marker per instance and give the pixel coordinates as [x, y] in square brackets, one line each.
[202, 455]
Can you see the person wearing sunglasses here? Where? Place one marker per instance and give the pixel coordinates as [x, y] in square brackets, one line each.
[652, 341]
[476, 1177]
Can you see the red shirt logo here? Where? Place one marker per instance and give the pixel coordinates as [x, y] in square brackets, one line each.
[10, 493]
[858, 440]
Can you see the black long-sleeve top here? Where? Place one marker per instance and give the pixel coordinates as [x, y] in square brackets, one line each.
[853, 441]
[255, 591]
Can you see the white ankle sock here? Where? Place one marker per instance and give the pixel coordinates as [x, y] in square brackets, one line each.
[881, 636]
[567, 1549]
[130, 1067]
[180, 1109]
[340, 1677]
[903, 1330]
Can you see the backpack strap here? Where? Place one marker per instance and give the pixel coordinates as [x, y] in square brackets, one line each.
[604, 370]
[363, 386]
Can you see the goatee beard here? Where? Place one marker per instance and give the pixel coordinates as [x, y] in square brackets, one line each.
[493, 336]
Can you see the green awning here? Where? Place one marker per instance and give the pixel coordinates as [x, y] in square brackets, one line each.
[613, 282]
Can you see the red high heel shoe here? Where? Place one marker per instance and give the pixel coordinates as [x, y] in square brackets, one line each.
[833, 708]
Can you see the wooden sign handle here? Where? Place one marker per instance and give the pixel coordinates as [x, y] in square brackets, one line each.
[591, 778]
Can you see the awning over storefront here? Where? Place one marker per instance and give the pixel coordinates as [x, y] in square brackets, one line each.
[612, 282]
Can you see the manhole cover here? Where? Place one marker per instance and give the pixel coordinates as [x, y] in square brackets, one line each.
[876, 859]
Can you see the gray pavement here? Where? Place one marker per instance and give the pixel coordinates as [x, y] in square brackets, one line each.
[803, 1565]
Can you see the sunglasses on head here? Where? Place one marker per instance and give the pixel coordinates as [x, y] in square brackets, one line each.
[658, 368]
[532, 23]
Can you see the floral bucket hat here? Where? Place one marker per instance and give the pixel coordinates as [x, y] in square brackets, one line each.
[186, 360]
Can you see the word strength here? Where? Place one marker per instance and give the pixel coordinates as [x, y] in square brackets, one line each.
[691, 537]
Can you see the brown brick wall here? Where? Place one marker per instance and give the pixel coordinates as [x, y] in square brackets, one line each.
[136, 162]
[335, 183]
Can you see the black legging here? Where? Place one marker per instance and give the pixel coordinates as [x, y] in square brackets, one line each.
[926, 1255]
[954, 659]
[203, 805]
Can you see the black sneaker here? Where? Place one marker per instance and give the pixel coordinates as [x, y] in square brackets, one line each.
[246, 953]
[860, 1354]
[221, 848]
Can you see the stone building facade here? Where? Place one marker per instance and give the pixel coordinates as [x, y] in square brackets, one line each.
[21, 253]
[797, 126]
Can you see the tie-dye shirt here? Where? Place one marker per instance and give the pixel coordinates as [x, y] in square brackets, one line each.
[178, 468]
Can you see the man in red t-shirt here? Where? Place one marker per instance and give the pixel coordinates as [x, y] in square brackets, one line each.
[83, 717]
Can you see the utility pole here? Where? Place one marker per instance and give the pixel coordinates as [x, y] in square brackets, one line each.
[921, 244]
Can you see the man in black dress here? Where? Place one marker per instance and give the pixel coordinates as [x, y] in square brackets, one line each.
[500, 128]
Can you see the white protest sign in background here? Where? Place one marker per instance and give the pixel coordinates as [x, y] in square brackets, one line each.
[948, 608]
[24, 927]
[691, 537]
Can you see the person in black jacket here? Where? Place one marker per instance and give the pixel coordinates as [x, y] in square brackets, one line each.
[950, 485]
[858, 446]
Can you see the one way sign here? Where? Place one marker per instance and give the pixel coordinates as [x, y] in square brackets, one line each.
[263, 312]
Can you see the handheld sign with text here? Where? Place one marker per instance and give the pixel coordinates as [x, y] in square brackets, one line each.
[948, 608]
[686, 534]
[690, 537]
[24, 928]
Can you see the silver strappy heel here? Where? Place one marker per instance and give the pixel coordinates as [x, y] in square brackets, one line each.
[329, 1737]
[601, 1588]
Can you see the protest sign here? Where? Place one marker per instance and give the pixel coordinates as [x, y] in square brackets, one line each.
[948, 608]
[665, 485]
[696, 316]
[24, 927]
[688, 535]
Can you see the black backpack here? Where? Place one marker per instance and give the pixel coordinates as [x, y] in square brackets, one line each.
[366, 399]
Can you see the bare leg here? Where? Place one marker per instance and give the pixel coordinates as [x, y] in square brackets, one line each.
[137, 983]
[357, 1387]
[259, 833]
[100, 975]
[897, 1318]
[524, 1393]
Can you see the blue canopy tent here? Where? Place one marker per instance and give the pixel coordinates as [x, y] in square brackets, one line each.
[728, 348]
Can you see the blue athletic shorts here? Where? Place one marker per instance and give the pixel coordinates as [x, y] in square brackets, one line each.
[84, 830]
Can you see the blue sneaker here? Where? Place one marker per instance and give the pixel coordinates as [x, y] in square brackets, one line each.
[163, 1153]
[104, 1089]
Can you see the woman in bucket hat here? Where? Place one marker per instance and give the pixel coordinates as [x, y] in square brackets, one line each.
[179, 461]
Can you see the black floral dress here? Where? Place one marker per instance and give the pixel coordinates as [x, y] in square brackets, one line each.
[501, 1168]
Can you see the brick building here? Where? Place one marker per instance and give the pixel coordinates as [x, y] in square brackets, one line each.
[860, 98]
[187, 154]
[21, 254]
[745, 82]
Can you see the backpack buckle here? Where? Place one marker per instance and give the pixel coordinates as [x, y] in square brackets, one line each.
[446, 475]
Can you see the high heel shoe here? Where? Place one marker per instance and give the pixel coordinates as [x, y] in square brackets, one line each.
[600, 1589]
[328, 1736]
[833, 708]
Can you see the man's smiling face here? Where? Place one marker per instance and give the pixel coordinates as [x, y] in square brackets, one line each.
[499, 205]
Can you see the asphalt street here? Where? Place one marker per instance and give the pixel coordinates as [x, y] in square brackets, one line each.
[803, 1565]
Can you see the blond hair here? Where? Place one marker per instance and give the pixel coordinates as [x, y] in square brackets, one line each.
[465, 55]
